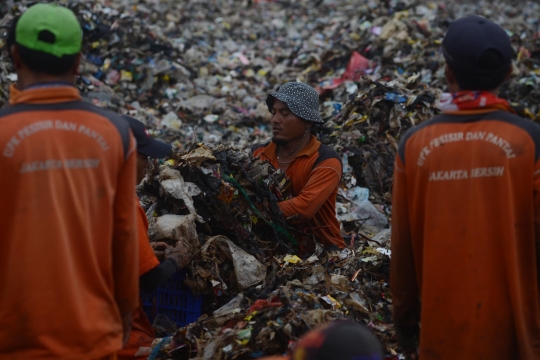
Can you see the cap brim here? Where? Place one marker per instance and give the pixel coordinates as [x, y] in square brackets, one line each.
[275, 96]
[156, 149]
[280, 97]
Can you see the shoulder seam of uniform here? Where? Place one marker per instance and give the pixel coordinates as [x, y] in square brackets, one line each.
[325, 152]
[120, 124]
[328, 167]
[532, 129]
[403, 142]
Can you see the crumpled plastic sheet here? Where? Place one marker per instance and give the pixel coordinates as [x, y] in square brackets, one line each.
[248, 270]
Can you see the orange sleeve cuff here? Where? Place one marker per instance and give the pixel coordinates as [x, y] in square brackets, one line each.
[147, 258]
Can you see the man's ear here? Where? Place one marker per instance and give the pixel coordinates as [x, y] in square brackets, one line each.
[449, 74]
[510, 71]
[451, 79]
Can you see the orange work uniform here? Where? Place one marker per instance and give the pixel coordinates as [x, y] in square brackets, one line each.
[142, 333]
[465, 236]
[315, 174]
[68, 264]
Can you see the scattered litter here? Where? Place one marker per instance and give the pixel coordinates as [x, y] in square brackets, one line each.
[197, 73]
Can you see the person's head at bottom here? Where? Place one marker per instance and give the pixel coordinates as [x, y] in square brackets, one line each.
[44, 45]
[147, 146]
[339, 340]
[478, 55]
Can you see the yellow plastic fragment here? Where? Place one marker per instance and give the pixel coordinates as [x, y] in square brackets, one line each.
[126, 76]
[106, 64]
[335, 303]
[355, 36]
[293, 259]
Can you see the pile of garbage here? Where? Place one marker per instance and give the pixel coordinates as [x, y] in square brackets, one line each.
[368, 129]
[263, 292]
[351, 283]
[227, 192]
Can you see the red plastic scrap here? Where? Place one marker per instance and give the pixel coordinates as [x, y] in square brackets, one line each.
[356, 67]
[261, 304]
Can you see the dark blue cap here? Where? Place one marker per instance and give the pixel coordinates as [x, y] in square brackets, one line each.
[146, 144]
[469, 38]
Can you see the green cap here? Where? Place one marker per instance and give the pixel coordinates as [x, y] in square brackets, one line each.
[36, 25]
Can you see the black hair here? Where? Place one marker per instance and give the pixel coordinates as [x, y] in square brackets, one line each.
[38, 61]
[493, 62]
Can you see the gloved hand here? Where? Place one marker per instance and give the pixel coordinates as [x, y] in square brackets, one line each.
[407, 337]
[181, 253]
[159, 249]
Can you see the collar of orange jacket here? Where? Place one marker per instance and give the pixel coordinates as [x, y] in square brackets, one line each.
[311, 148]
[43, 95]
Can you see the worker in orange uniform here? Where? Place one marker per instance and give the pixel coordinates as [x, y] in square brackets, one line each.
[152, 273]
[466, 213]
[68, 228]
[314, 169]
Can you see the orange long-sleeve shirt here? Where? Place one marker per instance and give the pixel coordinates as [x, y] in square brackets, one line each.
[465, 236]
[315, 174]
[68, 264]
[142, 333]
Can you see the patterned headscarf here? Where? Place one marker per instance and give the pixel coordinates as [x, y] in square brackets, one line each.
[301, 99]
